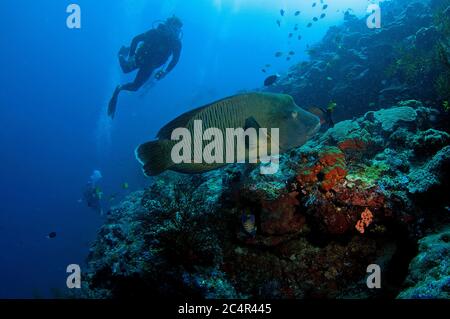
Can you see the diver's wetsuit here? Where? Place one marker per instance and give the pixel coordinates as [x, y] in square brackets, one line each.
[156, 48]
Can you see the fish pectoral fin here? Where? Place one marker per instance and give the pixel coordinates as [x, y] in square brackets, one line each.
[251, 123]
[263, 135]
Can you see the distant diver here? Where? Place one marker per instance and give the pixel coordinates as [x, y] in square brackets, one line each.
[148, 52]
[93, 193]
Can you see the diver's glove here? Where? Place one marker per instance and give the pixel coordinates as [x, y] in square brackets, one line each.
[124, 51]
[160, 75]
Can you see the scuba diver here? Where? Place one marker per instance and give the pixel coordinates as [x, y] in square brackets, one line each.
[93, 194]
[148, 52]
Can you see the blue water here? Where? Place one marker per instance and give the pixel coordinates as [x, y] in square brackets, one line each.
[56, 83]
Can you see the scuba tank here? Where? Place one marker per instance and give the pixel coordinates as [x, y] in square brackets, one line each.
[158, 47]
[180, 34]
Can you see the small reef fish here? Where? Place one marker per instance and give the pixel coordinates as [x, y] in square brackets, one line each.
[314, 4]
[279, 23]
[291, 53]
[282, 12]
[309, 25]
[315, 19]
[299, 37]
[51, 235]
[332, 106]
[278, 54]
[323, 15]
[271, 80]
[446, 106]
[250, 110]
[288, 58]
[291, 35]
[297, 13]
[325, 6]
[249, 224]
[325, 115]
[125, 186]
[263, 71]
[316, 111]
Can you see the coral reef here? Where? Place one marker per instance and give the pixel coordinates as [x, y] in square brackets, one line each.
[366, 69]
[434, 172]
[355, 195]
[429, 275]
[370, 190]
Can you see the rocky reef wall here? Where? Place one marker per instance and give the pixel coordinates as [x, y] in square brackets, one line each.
[364, 69]
[362, 193]
[373, 189]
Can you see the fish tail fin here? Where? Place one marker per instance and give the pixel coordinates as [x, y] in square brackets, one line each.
[155, 157]
[331, 121]
[329, 118]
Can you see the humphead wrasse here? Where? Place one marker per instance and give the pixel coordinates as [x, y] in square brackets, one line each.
[252, 110]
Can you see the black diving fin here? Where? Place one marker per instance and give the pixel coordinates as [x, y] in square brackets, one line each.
[113, 102]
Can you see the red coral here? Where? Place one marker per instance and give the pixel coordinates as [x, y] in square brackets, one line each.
[331, 158]
[329, 169]
[353, 144]
[360, 226]
[357, 196]
[365, 221]
[332, 177]
[309, 175]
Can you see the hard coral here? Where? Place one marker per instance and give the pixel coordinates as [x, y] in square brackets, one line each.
[429, 142]
[390, 117]
[429, 272]
[354, 144]
[361, 197]
[184, 236]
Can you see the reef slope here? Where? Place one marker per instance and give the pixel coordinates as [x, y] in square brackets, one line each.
[362, 193]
